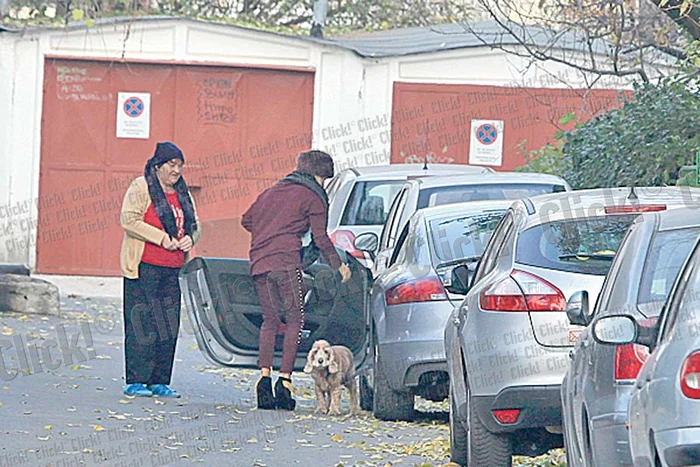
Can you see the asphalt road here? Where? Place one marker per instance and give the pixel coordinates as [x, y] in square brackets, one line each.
[61, 404]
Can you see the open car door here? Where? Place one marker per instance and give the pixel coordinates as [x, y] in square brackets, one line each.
[224, 310]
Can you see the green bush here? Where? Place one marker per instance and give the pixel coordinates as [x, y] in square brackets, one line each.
[645, 142]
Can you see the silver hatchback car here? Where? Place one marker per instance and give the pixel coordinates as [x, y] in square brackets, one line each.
[596, 389]
[360, 197]
[508, 343]
[664, 407]
[411, 300]
[436, 191]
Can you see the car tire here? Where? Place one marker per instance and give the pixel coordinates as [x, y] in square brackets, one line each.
[485, 449]
[366, 395]
[388, 404]
[458, 437]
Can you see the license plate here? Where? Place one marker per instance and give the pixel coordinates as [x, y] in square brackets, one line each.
[573, 335]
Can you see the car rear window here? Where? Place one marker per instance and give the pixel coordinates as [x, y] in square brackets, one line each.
[583, 245]
[463, 193]
[665, 258]
[369, 202]
[458, 237]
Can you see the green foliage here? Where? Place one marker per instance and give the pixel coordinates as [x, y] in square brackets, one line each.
[645, 142]
[549, 159]
[272, 15]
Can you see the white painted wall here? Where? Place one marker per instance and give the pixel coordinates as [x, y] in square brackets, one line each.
[348, 90]
[22, 74]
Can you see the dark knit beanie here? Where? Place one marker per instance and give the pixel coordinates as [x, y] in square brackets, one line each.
[166, 151]
[315, 162]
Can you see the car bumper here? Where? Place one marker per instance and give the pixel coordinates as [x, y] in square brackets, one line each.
[611, 440]
[679, 447]
[540, 406]
[405, 362]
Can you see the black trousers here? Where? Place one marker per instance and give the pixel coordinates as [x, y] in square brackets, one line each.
[151, 324]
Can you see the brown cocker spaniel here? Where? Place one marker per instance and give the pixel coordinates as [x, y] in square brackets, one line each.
[332, 368]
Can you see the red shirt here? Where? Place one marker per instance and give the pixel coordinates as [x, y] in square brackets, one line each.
[156, 254]
[277, 220]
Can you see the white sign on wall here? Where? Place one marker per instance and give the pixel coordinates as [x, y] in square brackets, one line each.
[134, 115]
[486, 142]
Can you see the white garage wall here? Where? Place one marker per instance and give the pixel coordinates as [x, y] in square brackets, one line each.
[352, 96]
[22, 74]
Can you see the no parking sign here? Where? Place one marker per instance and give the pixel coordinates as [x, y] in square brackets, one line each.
[486, 142]
[134, 115]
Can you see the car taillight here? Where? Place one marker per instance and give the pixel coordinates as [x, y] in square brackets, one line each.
[419, 290]
[632, 208]
[629, 360]
[344, 239]
[522, 291]
[506, 416]
[690, 376]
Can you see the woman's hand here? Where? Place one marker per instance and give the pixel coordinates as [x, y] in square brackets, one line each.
[185, 243]
[168, 243]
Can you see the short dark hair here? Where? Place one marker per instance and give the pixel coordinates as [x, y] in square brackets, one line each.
[315, 162]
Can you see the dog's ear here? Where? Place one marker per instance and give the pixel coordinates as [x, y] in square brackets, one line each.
[333, 366]
[308, 368]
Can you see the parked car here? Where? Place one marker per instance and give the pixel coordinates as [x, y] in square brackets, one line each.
[596, 388]
[507, 344]
[664, 406]
[411, 300]
[359, 197]
[436, 191]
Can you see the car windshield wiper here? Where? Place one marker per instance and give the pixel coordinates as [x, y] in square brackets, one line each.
[606, 256]
[468, 259]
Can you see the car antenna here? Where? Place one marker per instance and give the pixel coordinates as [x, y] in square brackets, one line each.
[632, 195]
[425, 162]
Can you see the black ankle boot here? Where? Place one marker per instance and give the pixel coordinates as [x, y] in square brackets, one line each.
[284, 393]
[263, 391]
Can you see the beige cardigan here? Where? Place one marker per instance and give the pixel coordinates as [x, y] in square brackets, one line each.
[137, 232]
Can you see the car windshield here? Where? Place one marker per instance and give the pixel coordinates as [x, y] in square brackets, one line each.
[482, 192]
[369, 202]
[665, 258]
[583, 245]
[455, 238]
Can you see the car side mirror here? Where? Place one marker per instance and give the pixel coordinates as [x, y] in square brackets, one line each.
[367, 242]
[459, 280]
[615, 330]
[577, 309]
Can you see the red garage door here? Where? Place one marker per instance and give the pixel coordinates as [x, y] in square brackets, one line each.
[435, 119]
[236, 126]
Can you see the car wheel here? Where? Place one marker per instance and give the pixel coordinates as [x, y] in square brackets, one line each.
[389, 404]
[485, 449]
[366, 395]
[458, 436]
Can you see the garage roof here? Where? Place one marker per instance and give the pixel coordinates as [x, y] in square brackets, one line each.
[416, 40]
[404, 41]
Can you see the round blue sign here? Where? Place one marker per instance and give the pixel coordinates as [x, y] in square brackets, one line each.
[134, 106]
[487, 134]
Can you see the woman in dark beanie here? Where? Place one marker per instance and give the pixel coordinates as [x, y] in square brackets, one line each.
[277, 220]
[160, 227]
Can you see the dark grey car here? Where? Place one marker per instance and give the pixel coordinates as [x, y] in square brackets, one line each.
[596, 389]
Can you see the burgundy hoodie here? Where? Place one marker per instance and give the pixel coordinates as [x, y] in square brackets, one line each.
[278, 220]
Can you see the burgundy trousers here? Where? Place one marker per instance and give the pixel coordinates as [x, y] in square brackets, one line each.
[281, 296]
